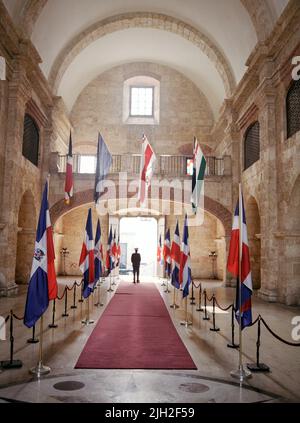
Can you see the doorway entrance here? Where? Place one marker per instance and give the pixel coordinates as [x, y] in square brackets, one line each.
[138, 232]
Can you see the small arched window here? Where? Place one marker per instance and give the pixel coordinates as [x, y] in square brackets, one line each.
[31, 140]
[293, 109]
[251, 145]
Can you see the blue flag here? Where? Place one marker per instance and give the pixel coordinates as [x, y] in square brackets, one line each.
[104, 161]
[87, 260]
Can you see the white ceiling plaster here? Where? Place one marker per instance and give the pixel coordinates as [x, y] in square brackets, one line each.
[277, 6]
[142, 44]
[226, 22]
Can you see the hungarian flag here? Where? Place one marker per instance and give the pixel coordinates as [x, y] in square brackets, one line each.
[69, 174]
[159, 248]
[87, 258]
[104, 161]
[167, 252]
[42, 285]
[148, 159]
[185, 274]
[97, 252]
[199, 166]
[175, 256]
[234, 258]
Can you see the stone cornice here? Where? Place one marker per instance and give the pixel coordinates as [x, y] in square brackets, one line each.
[249, 116]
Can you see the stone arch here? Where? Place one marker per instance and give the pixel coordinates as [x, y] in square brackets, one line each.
[253, 228]
[25, 237]
[84, 197]
[31, 13]
[141, 20]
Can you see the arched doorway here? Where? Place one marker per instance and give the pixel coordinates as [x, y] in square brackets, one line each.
[253, 227]
[26, 238]
[292, 247]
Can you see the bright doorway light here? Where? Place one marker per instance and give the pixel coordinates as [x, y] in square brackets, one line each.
[141, 233]
[87, 164]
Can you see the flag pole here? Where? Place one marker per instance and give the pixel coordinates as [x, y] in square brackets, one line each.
[186, 322]
[241, 373]
[87, 321]
[40, 369]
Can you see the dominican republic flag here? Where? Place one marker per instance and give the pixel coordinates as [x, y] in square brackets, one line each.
[109, 261]
[87, 258]
[233, 265]
[97, 253]
[199, 166]
[104, 161]
[159, 248]
[175, 256]
[148, 159]
[69, 174]
[185, 274]
[118, 252]
[42, 285]
[167, 252]
[114, 249]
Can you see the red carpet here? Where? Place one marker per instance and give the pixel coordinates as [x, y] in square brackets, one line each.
[135, 332]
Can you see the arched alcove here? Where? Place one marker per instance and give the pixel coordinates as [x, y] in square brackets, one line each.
[253, 227]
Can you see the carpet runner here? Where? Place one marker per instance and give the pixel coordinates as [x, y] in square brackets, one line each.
[135, 332]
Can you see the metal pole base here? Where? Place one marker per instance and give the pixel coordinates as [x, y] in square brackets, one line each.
[235, 346]
[174, 306]
[167, 291]
[110, 290]
[163, 284]
[80, 301]
[73, 307]
[199, 309]
[53, 326]
[14, 364]
[261, 367]
[206, 318]
[65, 315]
[87, 322]
[241, 374]
[40, 370]
[215, 329]
[192, 303]
[33, 341]
[99, 305]
[186, 323]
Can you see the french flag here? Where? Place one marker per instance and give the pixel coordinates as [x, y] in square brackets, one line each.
[175, 256]
[185, 274]
[87, 258]
[97, 252]
[42, 285]
[167, 252]
[233, 265]
[69, 174]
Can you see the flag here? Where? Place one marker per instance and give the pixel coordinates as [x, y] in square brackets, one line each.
[87, 258]
[159, 247]
[148, 159]
[114, 249]
[104, 161]
[199, 166]
[69, 174]
[118, 252]
[185, 274]
[109, 263]
[167, 252]
[42, 284]
[97, 253]
[175, 256]
[233, 265]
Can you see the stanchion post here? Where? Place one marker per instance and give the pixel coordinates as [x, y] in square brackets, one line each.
[53, 325]
[81, 298]
[200, 297]
[192, 298]
[214, 328]
[174, 305]
[232, 345]
[110, 289]
[74, 297]
[33, 340]
[167, 288]
[205, 307]
[258, 367]
[98, 303]
[11, 363]
[65, 314]
[88, 321]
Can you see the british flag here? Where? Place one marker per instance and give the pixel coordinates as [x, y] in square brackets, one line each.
[87, 258]
[233, 265]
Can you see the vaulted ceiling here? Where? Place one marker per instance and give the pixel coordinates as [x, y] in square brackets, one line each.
[209, 41]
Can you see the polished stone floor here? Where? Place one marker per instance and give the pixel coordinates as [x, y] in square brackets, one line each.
[211, 383]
